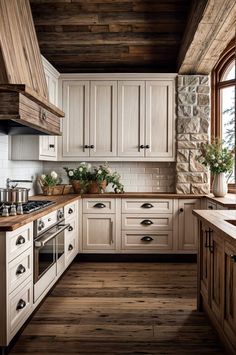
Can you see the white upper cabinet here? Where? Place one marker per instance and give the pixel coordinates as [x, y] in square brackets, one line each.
[75, 125]
[103, 119]
[131, 118]
[159, 119]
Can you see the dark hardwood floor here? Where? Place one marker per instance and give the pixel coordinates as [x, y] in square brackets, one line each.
[121, 308]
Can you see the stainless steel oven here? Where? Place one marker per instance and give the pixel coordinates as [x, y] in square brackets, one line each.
[49, 250]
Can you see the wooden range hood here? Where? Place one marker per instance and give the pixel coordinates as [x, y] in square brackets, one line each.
[24, 103]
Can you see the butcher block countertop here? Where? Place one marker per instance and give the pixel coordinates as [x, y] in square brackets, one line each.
[8, 224]
[145, 195]
[217, 220]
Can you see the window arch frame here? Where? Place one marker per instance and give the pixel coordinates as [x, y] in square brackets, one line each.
[227, 57]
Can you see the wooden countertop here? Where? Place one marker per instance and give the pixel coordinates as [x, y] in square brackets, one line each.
[11, 223]
[217, 220]
[228, 201]
[141, 195]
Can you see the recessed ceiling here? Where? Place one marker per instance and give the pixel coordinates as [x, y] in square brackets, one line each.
[111, 35]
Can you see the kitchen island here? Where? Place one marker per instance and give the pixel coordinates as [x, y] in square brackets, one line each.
[217, 271]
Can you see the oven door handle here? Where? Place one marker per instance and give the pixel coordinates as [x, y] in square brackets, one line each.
[39, 244]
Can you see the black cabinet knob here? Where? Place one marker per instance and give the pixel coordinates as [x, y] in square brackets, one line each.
[147, 205]
[51, 145]
[142, 146]
[210, 207]
[20, 270]
[86, 146]
[70, 211]
[70, 228]
[70, 247]
[20, 305]
[147, 146]
[147, 238]
[146, 222]
[181, 210]
[20, 240]
[92, 146]
[99, 205]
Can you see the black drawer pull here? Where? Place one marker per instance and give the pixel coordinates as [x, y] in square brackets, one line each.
[99, 205]
[70, 228]
[20, 240]
[70, 247]
[233, 257]
[70, 211]
[146, 222]
[20, 270]
[147, 205]
[51, 145]
[210, 207]
[20, 305]
[147, 238]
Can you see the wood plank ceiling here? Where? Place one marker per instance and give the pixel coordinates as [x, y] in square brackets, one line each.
[111, 35]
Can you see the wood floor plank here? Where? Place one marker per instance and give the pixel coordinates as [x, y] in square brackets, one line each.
[121, 308]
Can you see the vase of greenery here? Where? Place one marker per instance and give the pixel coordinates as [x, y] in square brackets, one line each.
[220, 161]
[79, 177]
[101, 176]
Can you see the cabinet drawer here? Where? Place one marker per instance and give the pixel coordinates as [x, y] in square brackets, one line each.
[70, 210]
[70, 248]
[147, 222]
[142, 241]
[19, 269]
[19, 240]
[147, 206]
[103, 205]
[20, 305]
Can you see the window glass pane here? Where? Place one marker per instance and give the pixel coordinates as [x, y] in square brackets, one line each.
[229, 74]
[228, 119]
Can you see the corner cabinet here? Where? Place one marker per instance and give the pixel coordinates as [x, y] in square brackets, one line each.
[39, 147]
[117, 117]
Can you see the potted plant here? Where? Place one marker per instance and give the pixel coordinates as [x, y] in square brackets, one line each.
[50, 184]
[101, 176]
[220, 161]
[79, 177]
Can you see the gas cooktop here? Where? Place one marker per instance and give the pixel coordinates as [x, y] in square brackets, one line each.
[32, 206]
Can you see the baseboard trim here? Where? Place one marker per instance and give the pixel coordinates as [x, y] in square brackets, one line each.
[157, 258]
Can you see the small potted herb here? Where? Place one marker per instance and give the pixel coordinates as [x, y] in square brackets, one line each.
[101, 176]
[79, 177]
[50, 184]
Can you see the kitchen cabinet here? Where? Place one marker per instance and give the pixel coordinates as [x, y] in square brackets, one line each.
[187, 224]
[39, 147]
[217, 282]
[120, 117]
[146, 108]
[230, 292]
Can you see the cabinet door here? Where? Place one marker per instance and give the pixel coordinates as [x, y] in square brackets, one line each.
[131, 118]
[188, 227]
[217, 267]
[159, 119]
[230, 292]
[205, 265]
[99, 232]
[103, 118]
[75, 98]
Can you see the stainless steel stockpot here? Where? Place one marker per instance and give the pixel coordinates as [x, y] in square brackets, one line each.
[16, 195]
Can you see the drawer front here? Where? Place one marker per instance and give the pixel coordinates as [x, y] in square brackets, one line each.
[103, 205]
[20, 269]
[147, 222]
[71, 248]
[143, 241]
[147, 206]
[19, 240]
[70, 210]
[20, 306]
[49, 220]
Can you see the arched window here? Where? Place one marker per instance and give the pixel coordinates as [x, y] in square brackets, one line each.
[223, 100]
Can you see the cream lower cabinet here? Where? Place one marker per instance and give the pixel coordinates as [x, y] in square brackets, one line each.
[187, 225]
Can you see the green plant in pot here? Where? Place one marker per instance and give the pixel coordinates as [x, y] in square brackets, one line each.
[101, 176]
[220, 161]
[79, 177]
[48, 182]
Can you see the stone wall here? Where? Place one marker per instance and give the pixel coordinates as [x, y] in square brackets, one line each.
[193, 123]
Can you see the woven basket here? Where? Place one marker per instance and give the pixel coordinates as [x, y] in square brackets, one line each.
[57, 190]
